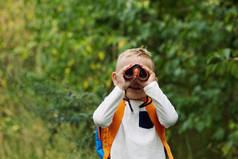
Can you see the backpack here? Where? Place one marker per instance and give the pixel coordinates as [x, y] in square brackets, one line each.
[105, 136]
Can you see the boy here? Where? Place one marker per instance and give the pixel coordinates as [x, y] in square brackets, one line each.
[126, 125]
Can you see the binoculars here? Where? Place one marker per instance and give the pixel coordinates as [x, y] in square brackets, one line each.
[141, 73]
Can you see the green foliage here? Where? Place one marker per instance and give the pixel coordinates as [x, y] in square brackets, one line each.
[56, 59]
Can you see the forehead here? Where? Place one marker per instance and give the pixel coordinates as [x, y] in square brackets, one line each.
[126, 60]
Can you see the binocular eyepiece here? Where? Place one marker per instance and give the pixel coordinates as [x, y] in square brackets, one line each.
[141, 74]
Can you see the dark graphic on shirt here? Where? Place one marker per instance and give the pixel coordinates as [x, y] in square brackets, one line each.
[144, 120]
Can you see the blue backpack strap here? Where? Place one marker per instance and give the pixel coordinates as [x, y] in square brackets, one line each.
[98, 141]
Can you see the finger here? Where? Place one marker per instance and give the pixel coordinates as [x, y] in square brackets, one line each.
[147, 69]
[123, 69]
[156, 79]
[152, 76]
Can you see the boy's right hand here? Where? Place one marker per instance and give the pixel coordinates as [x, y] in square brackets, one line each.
[119, 80]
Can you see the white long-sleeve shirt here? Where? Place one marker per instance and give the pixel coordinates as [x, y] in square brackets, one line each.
[133, 139]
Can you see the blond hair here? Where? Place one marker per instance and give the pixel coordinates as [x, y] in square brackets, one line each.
[139, 52]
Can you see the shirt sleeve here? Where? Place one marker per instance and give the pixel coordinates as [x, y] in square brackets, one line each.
[103, 115]
[165, 110]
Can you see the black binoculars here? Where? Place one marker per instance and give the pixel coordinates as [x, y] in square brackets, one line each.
[141, 73]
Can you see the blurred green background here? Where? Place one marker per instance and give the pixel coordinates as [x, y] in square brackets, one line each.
[56, 59]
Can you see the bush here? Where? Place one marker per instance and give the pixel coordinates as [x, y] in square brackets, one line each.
[56, 59]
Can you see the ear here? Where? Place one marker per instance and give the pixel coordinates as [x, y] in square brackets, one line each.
[114, 78]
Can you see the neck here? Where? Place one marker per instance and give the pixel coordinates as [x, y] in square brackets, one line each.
[137, 99]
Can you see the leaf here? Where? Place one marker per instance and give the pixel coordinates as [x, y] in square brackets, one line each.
[214, 58]
[122, 43]
[226, 53]
[101, 55]
[219, 134]
[234, 70]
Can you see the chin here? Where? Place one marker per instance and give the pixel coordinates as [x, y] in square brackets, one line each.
[135, 95]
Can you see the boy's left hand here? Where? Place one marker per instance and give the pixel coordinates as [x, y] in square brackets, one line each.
[151, 78]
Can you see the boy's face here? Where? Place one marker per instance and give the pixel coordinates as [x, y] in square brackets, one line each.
[135, 91]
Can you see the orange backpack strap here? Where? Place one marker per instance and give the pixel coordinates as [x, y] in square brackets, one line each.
[159, 128]
[109, 134]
